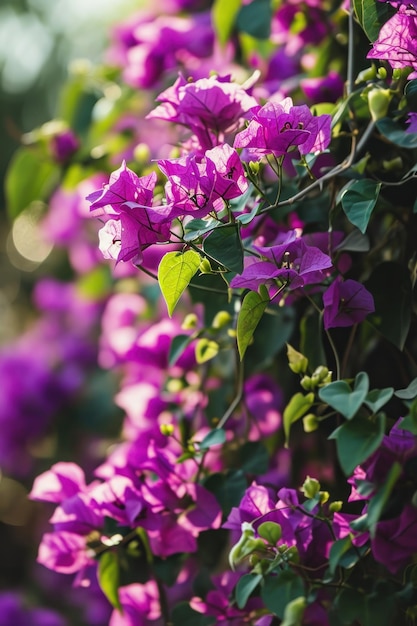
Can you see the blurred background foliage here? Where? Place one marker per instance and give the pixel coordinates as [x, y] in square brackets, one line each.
[39, 42]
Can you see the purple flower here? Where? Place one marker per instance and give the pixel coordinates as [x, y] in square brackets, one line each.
[396, 39]
[395, 541]
[209, 107]
[412, 121]
[346, 303]
[133, 224]
[197, 186]
[63, 145]
[13, 612]
[140, 606]
[323, 89]
[62, 481]
[279, 127]
[290, 262]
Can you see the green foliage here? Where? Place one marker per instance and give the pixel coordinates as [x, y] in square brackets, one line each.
[184, 615]
[280, 589]
[175, 271]
[357, 439]
[108, 574]
[297, 407]
[213, 438]
[342, 398]
[253, 307]
[371, 15]
[29, 177]
[255, 19]
[359, 198]
[244, 588]
[224, 245]
[224, 15]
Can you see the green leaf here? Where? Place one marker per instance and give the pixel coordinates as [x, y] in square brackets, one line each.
[409, 393]
[184, 615]
[295, 409]
[109, 576]
[253, 307]
[175, 271]
[380, 499]
[205, 350]
[224, 15]
[395, 133]
[213, 438]
[354, 242]
[270, 531]
[194, 229]
[245, 586]
[372, 15]
[357, 439]
[294, 612]
[340, 396]
[28, 178]
[224, 245]
[311, 344]
[228, 489]
[177, 347]
[391, 288]
[338, 549]
[254, 458]
[280, 590]
[377, 398]
[255, 19]
[271, 334]
[358, 201]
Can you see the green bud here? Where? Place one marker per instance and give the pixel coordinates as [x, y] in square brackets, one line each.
[174, 385]
[254, 167]
[378, 102]
[320, 374]
[297, 362]
[336, 506]
[166, 429]
[190, 321]
[142, 154]
[246, 546]
[382, 73]
[311, 487]
[271, 532]
[310, 423]
[324, 496]
[306, 383]
[205, 267]
[221, 319]
[368, 74]
[393, 164]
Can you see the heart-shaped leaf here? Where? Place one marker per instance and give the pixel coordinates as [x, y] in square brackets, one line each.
[342, 398]
[377, 398]
[357, 439]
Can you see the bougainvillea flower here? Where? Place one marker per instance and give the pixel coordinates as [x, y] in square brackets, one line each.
[412, 121]
[280, 127]
[290, 260]
[230, 176]
[62, 481]
[126, 202]
[140, 605]
[396, 39]
[346, 303]
[209, 107]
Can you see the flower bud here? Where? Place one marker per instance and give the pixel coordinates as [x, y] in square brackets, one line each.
[205, 267]
[190, 321]
[297, 362]
[166, 429]
[254, 167]
[306, 383]
[142, 154]
[320, 374]
[378, 102]
[336, 506]
[310, 423]
[221, 319]
[311, 487]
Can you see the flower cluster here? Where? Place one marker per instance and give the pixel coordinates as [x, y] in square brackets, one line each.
[208, 396]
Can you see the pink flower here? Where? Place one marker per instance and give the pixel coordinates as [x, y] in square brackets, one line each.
[279, 127]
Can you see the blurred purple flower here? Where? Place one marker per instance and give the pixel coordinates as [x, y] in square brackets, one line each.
[13, 612]
[412, 121]
[346, 303]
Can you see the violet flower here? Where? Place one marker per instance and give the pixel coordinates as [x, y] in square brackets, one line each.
[412, 121]
[280, 127]
[290, 263]
[133, 224]
[396, 39]
[346, 303]
[197, 186]
[209, 107]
